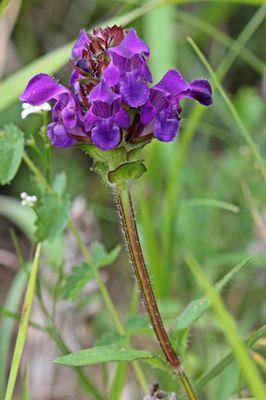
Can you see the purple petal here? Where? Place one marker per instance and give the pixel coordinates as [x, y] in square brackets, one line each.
[135, 93]
[65, 110]
[112, 74]
[106, 135]
[122, 118]
[81, 43]
[90, 119]
[165, 129]
[201, 91]
[74, 77]
[172, 83]
[147, 113]
[145, 72]
[42, 88]
[130, 46]
[59, 136]
[102, 92]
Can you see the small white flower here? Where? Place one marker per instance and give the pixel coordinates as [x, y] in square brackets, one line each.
[23, 195]
[29, 109]
[27, 200]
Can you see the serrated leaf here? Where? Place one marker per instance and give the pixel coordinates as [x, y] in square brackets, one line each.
[11, 151]
[127, 171]
[52, 216]
[103, 354]
[76, 280]
[196, 308]
[101, 257]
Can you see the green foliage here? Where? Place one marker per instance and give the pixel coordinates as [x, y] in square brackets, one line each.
[196, 308]
[128, 171]
[23, 326]
[74, 283]
[12, 303]
[83, 273]
[230, 330]
[52, 211]
[103, 354]
[101, 257]
[11, 151]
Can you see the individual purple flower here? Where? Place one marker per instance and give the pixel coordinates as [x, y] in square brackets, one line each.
[106, 117]
[42, 88]
[162, 111]
[128, 71]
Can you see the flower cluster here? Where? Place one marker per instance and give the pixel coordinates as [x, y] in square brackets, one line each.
[27, 200]
[111, 93]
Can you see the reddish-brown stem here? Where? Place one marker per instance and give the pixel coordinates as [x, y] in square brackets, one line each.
[126, 212]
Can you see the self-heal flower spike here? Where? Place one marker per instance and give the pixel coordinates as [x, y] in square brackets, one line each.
[111, 101]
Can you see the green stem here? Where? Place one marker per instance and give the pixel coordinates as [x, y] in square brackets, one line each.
[21, 337]
[126, 212]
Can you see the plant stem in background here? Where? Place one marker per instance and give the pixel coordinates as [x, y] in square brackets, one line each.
[25, 315]
[126, 212]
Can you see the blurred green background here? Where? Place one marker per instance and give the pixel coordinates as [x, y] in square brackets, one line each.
[202, 194]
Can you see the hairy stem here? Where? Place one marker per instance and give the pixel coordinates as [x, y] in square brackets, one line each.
[126, 212]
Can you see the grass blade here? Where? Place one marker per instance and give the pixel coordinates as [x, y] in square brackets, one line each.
[232, 109]
[223, 205]
[12, 303]
[227, 360]
[229, 328]
[23, 326]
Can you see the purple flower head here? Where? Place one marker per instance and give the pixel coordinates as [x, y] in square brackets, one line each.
[105, 117]
[110, 84]
[162, 111]
[128, 71]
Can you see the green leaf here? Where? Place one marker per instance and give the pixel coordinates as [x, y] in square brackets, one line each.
[76, 280]
[196, 308]
[125, 172]
[52, 216]
[83, 273]
[103, 354]
[11, 151]
[101, 257]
